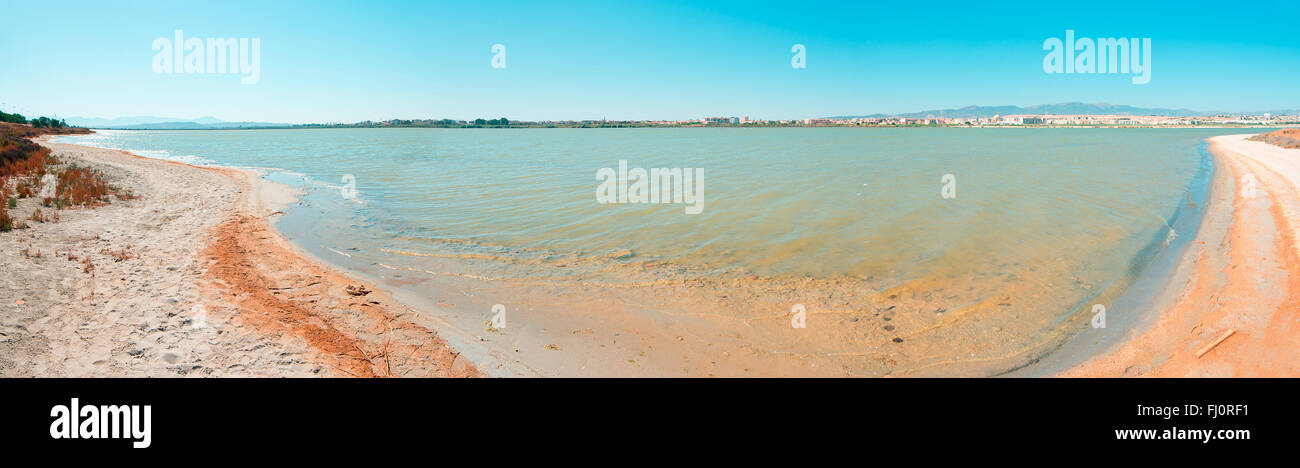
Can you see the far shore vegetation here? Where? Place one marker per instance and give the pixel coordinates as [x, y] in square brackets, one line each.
[1099, 121]
[39, 122]
[1286, 138]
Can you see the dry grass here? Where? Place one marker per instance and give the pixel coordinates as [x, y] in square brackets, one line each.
[27, 187]
[119, 255]
[21, 157]
[22, 166]
[41, 217]
[81, 186]
[6, 222]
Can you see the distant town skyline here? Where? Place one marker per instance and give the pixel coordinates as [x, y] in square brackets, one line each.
[344, 62]
[971, 114]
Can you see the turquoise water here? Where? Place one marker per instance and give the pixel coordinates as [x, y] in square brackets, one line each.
[1053, 218]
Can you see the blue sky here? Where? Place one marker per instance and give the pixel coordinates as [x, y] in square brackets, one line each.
[326, 61]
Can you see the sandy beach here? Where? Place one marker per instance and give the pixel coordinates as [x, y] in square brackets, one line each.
[1233, 312]
[190, 279]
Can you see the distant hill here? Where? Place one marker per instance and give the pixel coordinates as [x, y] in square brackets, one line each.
[134, 120]
[197, 126]
[1069, 108]
[164, 123]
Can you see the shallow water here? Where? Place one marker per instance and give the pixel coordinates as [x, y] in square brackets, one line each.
[1044, 221]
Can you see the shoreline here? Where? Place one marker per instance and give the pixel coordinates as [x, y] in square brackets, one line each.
[209, 288]
[1230, 309]
[489, 362]
[1156, 285]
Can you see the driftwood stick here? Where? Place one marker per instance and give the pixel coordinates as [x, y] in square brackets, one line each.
[1208, 347]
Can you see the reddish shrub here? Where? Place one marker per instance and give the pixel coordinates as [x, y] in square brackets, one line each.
[82, 186]
[6, 222]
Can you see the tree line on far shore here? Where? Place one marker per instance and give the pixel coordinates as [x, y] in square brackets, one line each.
[39, 122]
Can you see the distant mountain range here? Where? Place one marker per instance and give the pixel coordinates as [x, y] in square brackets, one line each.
[1069, 108]
[163, 123]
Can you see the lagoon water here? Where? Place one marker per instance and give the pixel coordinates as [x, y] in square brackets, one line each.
[1044, 221]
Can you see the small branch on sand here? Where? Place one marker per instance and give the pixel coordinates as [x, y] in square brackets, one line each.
[345, 371]
[417, 348]
[1216, 342]
[388, 359]
[363, 352]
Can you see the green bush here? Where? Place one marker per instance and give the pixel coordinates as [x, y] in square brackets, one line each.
[12, 118]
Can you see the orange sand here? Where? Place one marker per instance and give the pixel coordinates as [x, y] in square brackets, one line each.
[1246, 278]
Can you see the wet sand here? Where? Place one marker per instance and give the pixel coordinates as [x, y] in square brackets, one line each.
[659, 323]
[1236, 312]
[208, 288]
